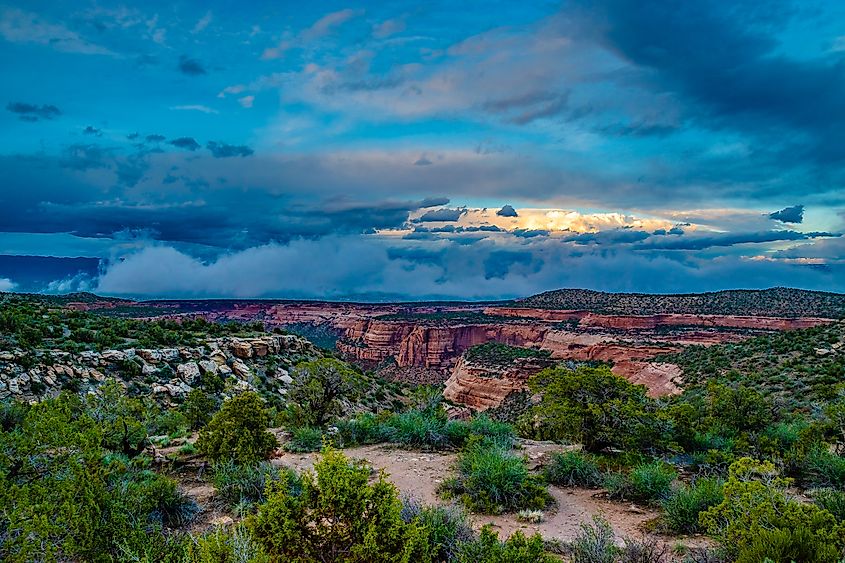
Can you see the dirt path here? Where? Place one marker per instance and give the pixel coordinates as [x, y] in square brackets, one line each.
[419, 474]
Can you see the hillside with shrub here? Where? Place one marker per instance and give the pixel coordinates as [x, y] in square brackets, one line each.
[774, 302]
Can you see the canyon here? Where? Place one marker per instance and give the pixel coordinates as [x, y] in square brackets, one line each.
[426, 342]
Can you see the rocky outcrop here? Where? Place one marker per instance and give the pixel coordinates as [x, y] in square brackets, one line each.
[168, 374]
[586, 319]
[481, 387]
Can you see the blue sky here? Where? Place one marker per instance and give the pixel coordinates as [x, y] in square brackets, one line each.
[368, 150]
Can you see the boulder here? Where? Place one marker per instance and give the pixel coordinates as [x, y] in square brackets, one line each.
[188, 372]
[241, 349]
[208, 366]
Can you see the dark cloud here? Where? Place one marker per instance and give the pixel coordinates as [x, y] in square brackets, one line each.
[725, 64]
[434, 202]
[33, 112]
[443, 214]
[85, 157]
[525, 108]
[530, 233]
[701, 242]
[191, 67]
[91, 130]
[507, 211]
[188, 143]
[422, 161]
[498, 263]
[793, 214]
[222, 150]
[133, 136]
[155, 138]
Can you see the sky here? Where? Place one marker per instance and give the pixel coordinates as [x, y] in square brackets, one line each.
[421, 150]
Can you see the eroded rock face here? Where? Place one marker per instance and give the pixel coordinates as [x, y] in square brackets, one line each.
[174, 371]
[482, 387]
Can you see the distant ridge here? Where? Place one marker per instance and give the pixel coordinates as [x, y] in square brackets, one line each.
[774, 302]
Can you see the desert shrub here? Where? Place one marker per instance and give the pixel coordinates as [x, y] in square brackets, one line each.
[188, 448]
[446, 529]
[787, 545]
[418, 430]
[151, 545]
[198, 408]
[318, 388]
[170, 422]
[226, 546]
[365, 428]
[492, 480]
[682, 507]
[305, 439]
[651, 482]
[12, 414]
[594, 407]
[821, 468]
[755, 501]
[481, 425]
[516, 549]
[245, 485]
[573, 469]
[648, 549]
[595, 543]
[338, 515]
[617, 484]
[238, 431]
[831, 500]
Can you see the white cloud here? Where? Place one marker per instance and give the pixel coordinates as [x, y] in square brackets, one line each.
[246, 101]
[203, 22]
[7, 285]
[194, 107]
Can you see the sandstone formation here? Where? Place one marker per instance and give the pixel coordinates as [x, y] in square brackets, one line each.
[168, 374]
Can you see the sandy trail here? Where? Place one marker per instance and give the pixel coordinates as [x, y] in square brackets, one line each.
[420, 473]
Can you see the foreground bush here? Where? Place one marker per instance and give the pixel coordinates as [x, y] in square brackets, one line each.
[646, 482]
[492, 480]
[686, 502]
[516, 549]
[245, 485]
[304, 440]
[337, 516]
[573, 469]
[831, 500]
[595, 543]
[447, 530]
[226, 546]
[756, 519]
[238, 431]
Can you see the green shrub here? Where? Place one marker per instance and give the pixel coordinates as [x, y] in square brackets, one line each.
[318, 389]
[617, 484]
[226, 546]
[481, 425]
[245, 485]
[516, 549]
[238, 431]
[682, 507]
[831, 500]
[755, 502]
[787, 545]
[651, 482]
[304, 440]
[198, 408]
[366, 428]
[447, 529]
[595, 543]
[594, 407]
[338, 515]
[418, 430]
[573, 469]
[821, 468]
[492, 480]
